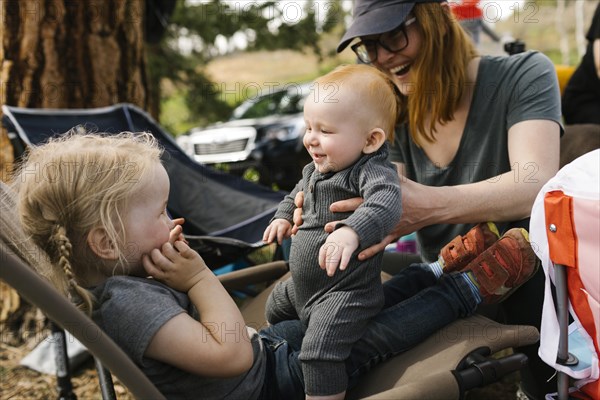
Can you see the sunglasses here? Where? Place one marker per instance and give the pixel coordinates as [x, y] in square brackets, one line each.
[393, 42]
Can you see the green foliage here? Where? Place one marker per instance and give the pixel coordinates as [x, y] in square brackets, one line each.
[204, 27]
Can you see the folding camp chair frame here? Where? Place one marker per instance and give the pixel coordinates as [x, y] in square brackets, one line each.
[475, 369]
[58, 309]
[562, 308]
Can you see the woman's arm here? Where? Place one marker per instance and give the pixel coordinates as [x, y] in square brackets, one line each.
[218, 344]
[533, 148]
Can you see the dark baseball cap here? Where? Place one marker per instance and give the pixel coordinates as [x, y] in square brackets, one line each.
[372, 17]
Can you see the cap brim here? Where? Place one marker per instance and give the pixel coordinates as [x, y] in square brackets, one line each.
[375, 22]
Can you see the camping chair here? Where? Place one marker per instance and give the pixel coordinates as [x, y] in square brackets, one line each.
[225, 216]
[565, 232]
[57, 308]
[456, 357]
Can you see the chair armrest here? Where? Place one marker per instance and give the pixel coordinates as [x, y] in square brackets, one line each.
[256, 274]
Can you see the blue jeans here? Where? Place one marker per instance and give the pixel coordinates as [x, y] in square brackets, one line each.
[417, 305]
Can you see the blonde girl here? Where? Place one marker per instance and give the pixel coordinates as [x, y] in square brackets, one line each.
[96, 205]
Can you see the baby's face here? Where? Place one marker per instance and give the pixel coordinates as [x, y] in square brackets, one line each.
[336, 127]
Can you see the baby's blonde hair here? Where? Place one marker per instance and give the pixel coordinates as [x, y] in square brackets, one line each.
[75, 183]
[378, 91]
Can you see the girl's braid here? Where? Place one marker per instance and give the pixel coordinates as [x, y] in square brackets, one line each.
[64, 248]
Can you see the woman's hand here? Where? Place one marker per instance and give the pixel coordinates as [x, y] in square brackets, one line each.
[419, 209]
[351, 205]
[417, 206]
[298, 201]
[347, 205]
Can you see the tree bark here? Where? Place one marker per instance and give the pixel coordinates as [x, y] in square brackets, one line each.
[71, 54]
[66, 54]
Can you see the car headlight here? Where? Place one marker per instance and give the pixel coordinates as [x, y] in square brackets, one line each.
[285, 132]
[184, 142]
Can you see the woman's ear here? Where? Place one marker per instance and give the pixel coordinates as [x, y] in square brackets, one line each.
[375, 140]
[102, 245]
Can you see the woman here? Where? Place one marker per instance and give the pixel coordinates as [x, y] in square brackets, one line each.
[479, 139]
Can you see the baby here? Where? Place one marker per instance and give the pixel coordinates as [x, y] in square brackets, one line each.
[349, 115]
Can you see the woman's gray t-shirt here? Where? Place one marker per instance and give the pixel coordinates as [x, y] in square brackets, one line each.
[508, 90]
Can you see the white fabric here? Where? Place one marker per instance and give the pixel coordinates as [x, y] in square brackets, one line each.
[581, 180]
[42, 357]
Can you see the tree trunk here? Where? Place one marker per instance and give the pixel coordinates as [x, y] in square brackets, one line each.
[67, 54]
[71, 54]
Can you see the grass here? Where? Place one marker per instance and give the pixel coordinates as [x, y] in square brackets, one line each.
[245, 75]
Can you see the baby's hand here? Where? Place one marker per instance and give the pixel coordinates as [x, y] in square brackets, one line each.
[176, 265]
[338, 249]
[278, 229]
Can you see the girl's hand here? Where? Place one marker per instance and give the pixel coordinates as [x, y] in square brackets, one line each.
[176, 265]
[177, 231]
[337, 250]
[278, 229]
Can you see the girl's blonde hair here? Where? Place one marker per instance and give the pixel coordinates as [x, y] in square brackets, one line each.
[20, 244]
[440, 71]
[376, 88]
[75, 183]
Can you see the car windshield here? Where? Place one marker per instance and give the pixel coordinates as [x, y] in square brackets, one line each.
[285, 102]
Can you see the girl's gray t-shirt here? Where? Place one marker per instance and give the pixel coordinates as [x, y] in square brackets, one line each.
[131, 310]
[508, 90]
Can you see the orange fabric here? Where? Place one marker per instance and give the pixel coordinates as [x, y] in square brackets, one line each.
[581, 306]
[562, 243]
[467, 9]
[592, 389]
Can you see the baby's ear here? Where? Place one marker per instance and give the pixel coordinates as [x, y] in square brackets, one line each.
[375, 140]
[101, 244]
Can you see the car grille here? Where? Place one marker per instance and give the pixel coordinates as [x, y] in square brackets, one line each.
[220, 148]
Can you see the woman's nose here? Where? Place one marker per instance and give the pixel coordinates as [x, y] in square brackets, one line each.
[383, 54]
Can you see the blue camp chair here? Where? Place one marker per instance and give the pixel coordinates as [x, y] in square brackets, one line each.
[225, 216]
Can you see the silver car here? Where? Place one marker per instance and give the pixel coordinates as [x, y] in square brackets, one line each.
[264, 133]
